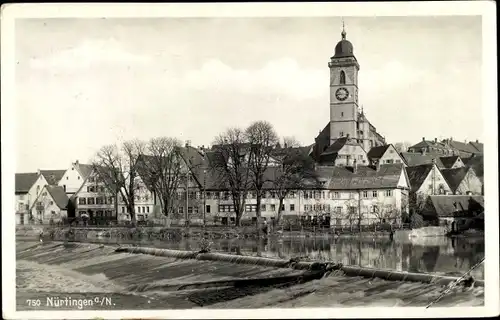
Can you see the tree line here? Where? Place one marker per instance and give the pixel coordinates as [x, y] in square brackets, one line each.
[242, 160]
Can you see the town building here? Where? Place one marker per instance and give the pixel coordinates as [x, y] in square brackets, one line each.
[385, 154]
[45, 177]
[463, 181]
[412, 159]
[425, 180]
[451, 162]
[51, 205]
[476, 162]
[347, 120]
[456, 212]
[447, 147]
[74, 177]
[95, 199]
[23, 184]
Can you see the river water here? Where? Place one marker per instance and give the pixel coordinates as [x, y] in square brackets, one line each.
[439, 255]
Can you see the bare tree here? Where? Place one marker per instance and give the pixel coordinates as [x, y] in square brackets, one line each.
[161, 169]
[262, 139]
[118, 167]
[230, 165]
[352, 212]
[402, 146]
[295, 169]
[290, 142]
[384, 212]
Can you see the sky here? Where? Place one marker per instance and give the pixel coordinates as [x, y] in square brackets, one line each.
[84, 83]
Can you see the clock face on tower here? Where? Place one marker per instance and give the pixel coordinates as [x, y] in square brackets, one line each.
[341, 94]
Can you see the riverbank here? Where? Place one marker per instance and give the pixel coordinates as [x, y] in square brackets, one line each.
[173, 233]
[211, 281]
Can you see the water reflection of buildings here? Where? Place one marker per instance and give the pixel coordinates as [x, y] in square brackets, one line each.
[440, 255]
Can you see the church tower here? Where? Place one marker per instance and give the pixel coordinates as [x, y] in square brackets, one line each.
[343, 91]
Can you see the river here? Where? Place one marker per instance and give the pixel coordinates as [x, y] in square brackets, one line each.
[439, 255]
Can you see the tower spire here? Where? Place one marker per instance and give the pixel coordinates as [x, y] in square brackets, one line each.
[343, 34]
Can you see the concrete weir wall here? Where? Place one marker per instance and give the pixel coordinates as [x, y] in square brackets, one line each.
[326, 267]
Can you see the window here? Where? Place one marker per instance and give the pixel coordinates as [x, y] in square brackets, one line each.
[292, 194]
[123, 209]
[338, 210]
[375, 209]
[207, 208]
[365, 194]
[292, 207]
[341, 114]
[273, 207]
[144, 209]
[90, 201]
[226, 208]
[181, 209]
[208, 195]
[110, 200]
[51, 203]
[99, 200]
[82, 201]
[398, 161]
[283, 207]
[196, 209]
[147, 209]
[250, 207]
[190, 209]
[388, 193]
[262, 207]
[336, 195]
[360, 157]
[342, 77]
[375, 194]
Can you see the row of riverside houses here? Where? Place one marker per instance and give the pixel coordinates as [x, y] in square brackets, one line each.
[384, 190]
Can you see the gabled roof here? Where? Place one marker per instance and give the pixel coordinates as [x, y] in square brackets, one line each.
[84, 169]
[52, 176]
[455, 206]
[416, 159]
[418, 174]
[454, 176]
[448, 162]
[338, 144]
[476, 162]
[24, 181]
[58, 195]
[378, 152]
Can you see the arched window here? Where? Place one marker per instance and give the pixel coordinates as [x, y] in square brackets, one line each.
[342, 77]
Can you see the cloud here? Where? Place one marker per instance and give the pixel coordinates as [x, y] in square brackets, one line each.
[281, 76]
[87, 54]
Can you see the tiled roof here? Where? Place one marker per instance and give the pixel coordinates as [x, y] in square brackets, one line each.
[84, 169]
[53, 176]
[365, 177]
[377, 152]
[448, 162]
[417, 175]
[453, 206]
[59, 195]
[461, 146]
[454, 176]
[478, 146]
[24, 181]
[338, 144]
[416, 159]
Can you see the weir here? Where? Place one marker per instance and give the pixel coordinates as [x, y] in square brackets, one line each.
[186, 279]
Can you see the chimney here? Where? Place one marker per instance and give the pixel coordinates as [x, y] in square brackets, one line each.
[377, 166]
[435, 140]
[347, 136]
[355, 166]
[188, 143]
[76, 162]
[38, 171]
[422, 151]
[423, 138]
[477, 140]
